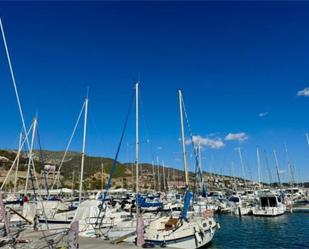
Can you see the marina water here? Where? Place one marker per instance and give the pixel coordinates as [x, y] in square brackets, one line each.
[289, 231]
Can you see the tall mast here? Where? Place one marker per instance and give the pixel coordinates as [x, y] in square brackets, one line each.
[241, 162]
[199, 155]
[168, 178]
[102, 179]
[30, 152]
[158, 171]
[242, 165]
[17, 162]
[258, 164]
[139, 219]
[277, 167]
[73, 181]
[267, 167]
[289, 165]
[154, 178]
[164, 180]
[83, 151]
[183, 140]
[136, 134]
[233, 176]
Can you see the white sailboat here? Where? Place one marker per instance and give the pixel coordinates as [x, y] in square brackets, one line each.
[56, 219]
[110, 222]
[184, 230]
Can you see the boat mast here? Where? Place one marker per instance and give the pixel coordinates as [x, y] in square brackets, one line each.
[258, 164]
[233, 176]
[83, 151]
[136, 138]
[158, 171]
[17, 162]
[183, 140]
[139, 218]
[289, 165]
[168, 178]
[154, 178]
[30, 153]
[277, 166]
[73, 181]
[102, 179]
[242, 166]
[164, 182]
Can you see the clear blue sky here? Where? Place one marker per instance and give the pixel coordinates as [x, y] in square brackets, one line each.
[233, 61]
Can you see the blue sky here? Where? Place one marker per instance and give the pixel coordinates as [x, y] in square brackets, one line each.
[233, 61]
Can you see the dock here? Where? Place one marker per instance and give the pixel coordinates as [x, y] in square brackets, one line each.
[35, 237]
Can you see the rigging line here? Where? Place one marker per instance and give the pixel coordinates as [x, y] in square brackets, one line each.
[113, 168]
[14, 83]
[15, 89]
[190, 131]
[40, 146]
[17, 98]
[67, 147]
[197, 163]
[19, 151]
[32, 173]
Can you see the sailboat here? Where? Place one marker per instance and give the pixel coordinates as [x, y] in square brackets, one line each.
[187, 229]
[56, 219]
[130, 228]
[99, 219]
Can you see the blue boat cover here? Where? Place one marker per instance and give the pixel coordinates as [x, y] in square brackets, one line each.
[142, 202]
[186, 206]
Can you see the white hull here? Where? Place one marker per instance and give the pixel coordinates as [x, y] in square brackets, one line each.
[268, 211]
[188, 235]
[242, 210]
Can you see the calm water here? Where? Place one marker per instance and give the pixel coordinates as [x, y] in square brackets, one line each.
[287, 231]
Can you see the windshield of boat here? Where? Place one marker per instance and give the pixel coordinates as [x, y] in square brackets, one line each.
[234, 199]
[268, 201]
